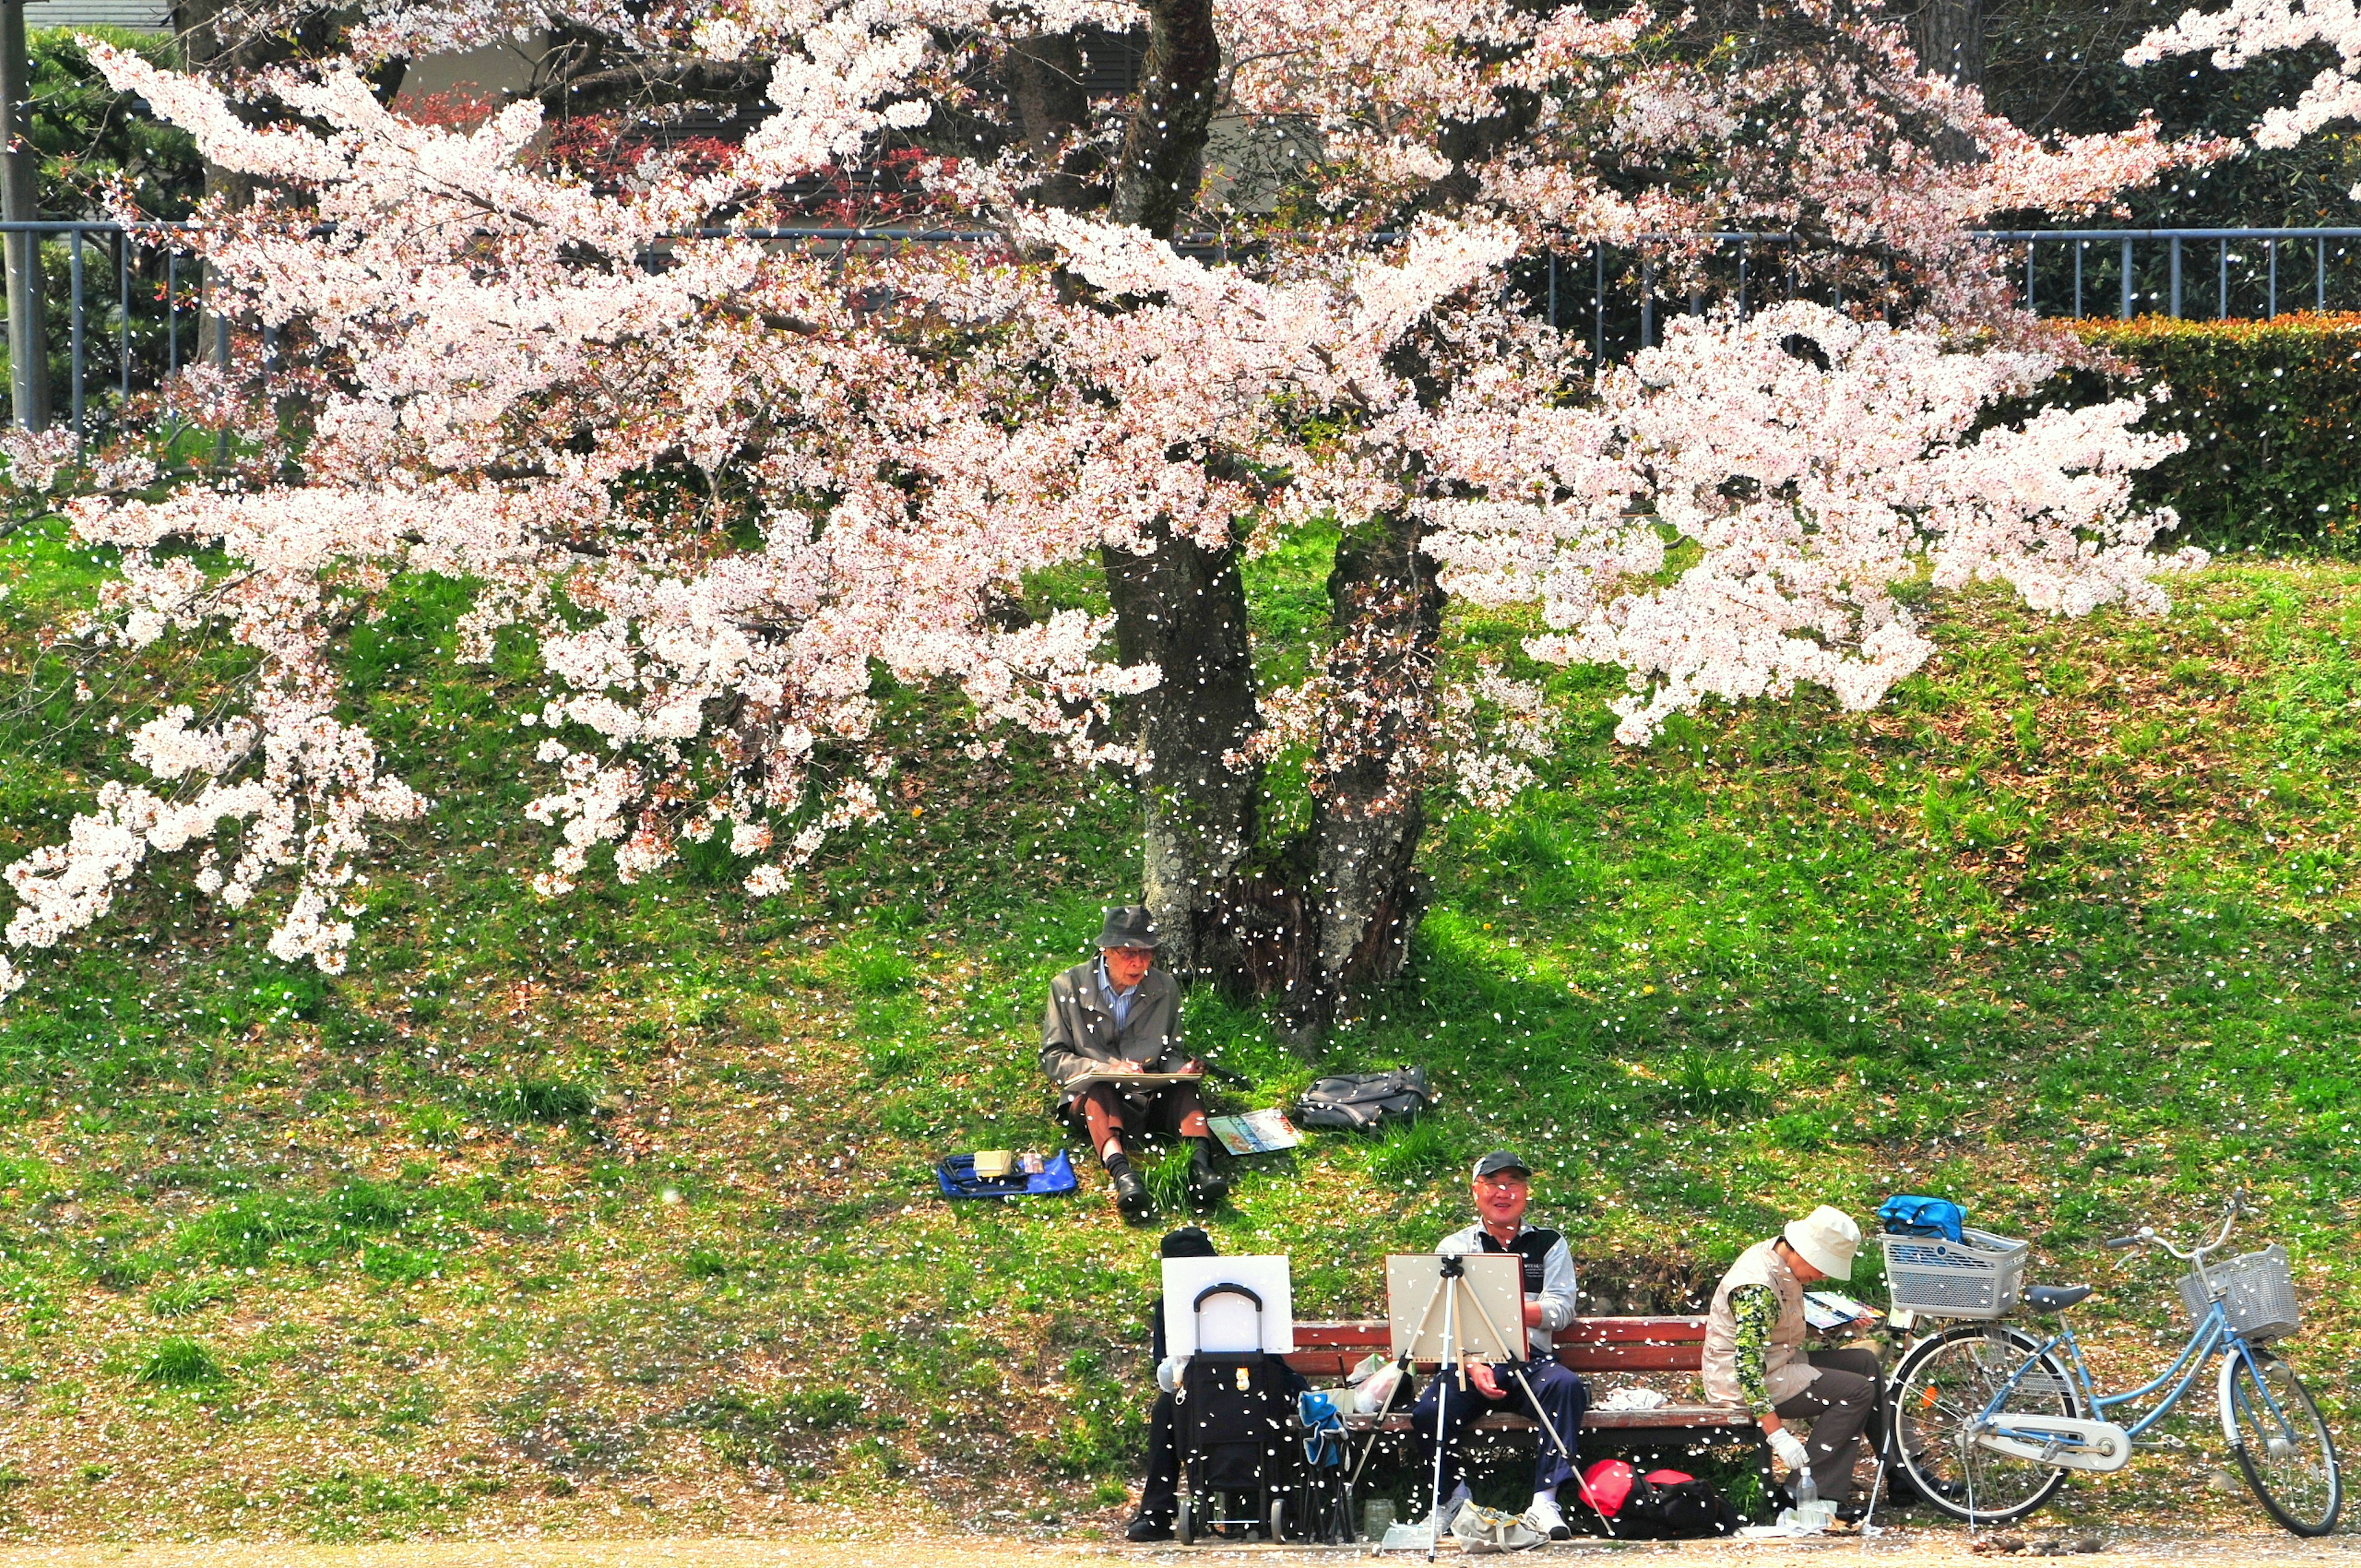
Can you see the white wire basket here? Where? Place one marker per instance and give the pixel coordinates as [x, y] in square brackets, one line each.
[1978, 1276]
[2258, 1290]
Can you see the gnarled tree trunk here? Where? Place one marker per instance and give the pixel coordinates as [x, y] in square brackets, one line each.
[1184, 609]
[1308, 922]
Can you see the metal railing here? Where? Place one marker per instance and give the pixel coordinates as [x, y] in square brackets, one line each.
[154, 306]
[144, 297]
[2139, 271]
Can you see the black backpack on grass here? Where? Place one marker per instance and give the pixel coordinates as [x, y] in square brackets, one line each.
[1366, 1102]
[1681, 1511]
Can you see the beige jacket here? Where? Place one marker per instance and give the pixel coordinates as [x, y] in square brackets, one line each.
[1786, 1372]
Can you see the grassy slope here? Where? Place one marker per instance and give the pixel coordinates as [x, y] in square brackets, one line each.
[583, 1216]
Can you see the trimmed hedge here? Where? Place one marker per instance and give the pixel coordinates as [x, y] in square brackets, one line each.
[2272, 410]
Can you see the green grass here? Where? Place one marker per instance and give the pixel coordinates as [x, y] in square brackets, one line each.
[616, 1214]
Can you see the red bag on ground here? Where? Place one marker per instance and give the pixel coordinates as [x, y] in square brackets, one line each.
[1608, 1482]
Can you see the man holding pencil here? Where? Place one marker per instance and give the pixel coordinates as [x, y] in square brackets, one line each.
[1112, 1020]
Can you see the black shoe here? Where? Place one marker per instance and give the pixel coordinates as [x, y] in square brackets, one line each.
[1207, 1185]
[1903, 1488]
[1146, 1527]
[1130, 1192]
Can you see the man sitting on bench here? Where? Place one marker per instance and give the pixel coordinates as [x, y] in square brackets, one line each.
[1503, 1190]
[1119, 1013]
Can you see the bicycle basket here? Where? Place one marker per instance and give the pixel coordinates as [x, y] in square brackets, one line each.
[2258, 1290]
[1977, 1277]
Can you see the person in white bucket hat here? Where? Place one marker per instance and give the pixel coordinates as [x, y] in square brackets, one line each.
[1756, 1355]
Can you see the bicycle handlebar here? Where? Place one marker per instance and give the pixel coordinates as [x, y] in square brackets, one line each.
[2195, 1255]
[2119, 1243]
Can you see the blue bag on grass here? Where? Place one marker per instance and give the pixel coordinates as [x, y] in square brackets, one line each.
[958, 1177]
[1922, 1217]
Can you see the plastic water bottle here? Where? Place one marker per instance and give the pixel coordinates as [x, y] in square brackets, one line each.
[1805, 1493]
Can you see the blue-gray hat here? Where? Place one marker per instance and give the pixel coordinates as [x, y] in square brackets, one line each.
[1129, 926]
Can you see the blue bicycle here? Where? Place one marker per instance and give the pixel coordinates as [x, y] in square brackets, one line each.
[1989, 1418]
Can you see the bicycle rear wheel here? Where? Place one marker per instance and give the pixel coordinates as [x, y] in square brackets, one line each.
[1939, 1391]
[2282, 1444]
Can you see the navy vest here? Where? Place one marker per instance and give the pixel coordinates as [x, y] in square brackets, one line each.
[1533, 1247]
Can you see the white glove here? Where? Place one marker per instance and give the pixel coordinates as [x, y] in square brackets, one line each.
[1790, 1450]
[1167, 1372]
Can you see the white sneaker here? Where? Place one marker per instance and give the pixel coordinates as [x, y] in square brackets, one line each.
[1544, 1517]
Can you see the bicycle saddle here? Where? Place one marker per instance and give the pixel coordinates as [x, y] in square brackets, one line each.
[2054, 1298]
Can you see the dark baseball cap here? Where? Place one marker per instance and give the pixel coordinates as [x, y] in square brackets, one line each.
[1500, 1160]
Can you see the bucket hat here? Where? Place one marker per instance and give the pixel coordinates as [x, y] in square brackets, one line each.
[1129, 926]
[1827, 1239]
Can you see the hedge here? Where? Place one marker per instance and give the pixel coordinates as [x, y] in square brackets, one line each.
[2272, 410]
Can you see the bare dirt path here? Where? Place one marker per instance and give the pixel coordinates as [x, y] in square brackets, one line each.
[1894, 1549]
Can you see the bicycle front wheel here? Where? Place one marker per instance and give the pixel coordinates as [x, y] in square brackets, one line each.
[2282, 1445]
[1943, 1389]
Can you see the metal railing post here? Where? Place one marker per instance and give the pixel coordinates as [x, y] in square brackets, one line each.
[2175, 276]
[1553, 291]
[1599, 301]
[2124, 314]
[2079, 247]
[1741, 279]
[2319, 273]
[2222, 294]
[1647, 301]
[74, 251]
[2029, 309]
[2271, 293]
[123, 303]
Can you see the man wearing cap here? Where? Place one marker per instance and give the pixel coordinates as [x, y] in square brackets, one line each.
[1754, 1353]
[1119, 1013]
[1503, 1190]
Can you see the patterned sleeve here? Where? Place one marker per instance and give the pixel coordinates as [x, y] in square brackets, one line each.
[1757, 1311]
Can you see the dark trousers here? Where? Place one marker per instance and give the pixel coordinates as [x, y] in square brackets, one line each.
[1562, 1397]
[1160, 1495]
[1845, 1405]
[1109, 1113]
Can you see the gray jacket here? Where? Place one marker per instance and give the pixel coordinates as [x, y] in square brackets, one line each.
[1079, 1028]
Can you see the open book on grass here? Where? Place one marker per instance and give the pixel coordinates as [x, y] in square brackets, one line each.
[1257, 1132]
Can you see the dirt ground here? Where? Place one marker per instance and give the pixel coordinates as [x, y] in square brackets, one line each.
[1893, 1549]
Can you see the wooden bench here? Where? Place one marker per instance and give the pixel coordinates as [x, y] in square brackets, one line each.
[1595, 1347]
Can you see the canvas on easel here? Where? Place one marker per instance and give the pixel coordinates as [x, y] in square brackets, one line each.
[1416, 1315]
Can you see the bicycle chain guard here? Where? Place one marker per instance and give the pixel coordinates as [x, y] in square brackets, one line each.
[2066, 1442]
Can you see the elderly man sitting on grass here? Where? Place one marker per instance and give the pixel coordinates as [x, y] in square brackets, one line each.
[1112, 1017]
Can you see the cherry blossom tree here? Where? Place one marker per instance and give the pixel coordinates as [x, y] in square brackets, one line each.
[726, 484]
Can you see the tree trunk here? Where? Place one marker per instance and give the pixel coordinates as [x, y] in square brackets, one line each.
[1052, 113]
[1183, 608]
[1164, 147]
[1369, 807]
[1950, 37]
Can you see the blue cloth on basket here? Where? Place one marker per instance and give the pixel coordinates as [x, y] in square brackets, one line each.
[1904, 1216]
[958, 1177]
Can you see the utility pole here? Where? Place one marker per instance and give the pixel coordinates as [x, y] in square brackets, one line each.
[28, 357]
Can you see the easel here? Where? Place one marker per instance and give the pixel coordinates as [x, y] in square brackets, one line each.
[1450, 1285]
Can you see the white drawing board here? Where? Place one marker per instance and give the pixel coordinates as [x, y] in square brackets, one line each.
[1228, 1320]
[1495, 1279]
